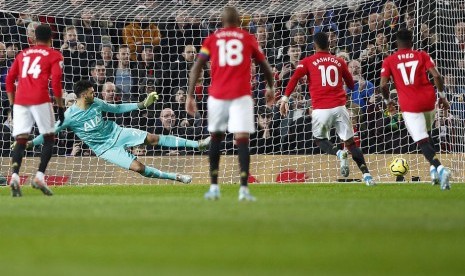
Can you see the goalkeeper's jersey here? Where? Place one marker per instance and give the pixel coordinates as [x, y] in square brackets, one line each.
[90, 127]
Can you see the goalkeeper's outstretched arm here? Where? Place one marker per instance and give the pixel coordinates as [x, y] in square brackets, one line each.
[128, 107]
[39, 140]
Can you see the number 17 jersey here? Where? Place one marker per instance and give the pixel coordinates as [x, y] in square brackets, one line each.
[408, 69]
[230, 51]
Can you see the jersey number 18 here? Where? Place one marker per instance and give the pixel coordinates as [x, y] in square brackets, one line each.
[230, 52]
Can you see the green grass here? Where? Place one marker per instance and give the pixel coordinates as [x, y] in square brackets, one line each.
[291, 230]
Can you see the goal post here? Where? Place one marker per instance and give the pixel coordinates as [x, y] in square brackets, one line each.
[131, 48]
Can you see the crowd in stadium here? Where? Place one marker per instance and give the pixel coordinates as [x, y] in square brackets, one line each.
[128, 59]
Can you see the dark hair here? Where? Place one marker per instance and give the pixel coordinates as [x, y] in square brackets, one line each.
[264, 111]
[98, 63]
[43, 33]
[404, 38]
[81, 86]
[321, 39]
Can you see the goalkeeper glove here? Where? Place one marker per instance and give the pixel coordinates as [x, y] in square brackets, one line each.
[151, 98]
[61, 115]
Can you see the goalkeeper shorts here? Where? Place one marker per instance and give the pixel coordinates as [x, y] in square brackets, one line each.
[117, 154]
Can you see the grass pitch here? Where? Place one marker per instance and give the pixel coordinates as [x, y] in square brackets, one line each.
[291, 230]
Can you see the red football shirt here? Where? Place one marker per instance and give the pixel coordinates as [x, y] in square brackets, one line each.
[408, 69]
[33, 68]
[230, 51]
[325, 74]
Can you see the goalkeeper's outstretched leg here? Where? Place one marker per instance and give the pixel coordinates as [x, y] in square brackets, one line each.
[151, 172]
[175, 142]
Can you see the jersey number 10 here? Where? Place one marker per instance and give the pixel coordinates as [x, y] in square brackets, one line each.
[230, 52]
[326, 75]
[31, 69]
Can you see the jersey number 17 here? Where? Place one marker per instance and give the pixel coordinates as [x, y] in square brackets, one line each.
[410, 79]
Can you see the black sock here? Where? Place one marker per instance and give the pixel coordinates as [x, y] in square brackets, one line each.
[214, 155]
[428, 151]
[17, 154]
[47, 151]
[327, 146]
[244, 159]
[357, 156]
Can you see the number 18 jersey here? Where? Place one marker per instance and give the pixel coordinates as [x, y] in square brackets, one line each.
[408, 69]
[230, 51]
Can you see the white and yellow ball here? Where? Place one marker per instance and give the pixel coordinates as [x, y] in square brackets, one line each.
[399, 167]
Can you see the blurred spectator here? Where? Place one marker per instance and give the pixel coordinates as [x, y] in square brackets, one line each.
[353, 40]
[427, 41]
[391, 21]
[110, 93]
[371, 62]
[88, 29]
[178, 75]
[261, 34]
[409, 20]
[125, 76]
[344, 55]
[148, 68]
[4, 66]
[321, 18]
[363, 89]
[138, 33]
[5, 135]
[106, 54]
[12, 49]
[139, 151]
[264, 139]
[98, 75]
[76, 57]
[27, 33]
[260, 19]
[287, 67]
[186, 30]
[374, 26]
[333, 42]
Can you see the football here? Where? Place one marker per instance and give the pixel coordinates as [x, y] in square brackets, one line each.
[399, 167]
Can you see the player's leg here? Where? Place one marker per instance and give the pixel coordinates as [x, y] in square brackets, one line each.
[322, 120]
[218, 116]
[417, 125]
[44, 117]
[345, 131]
[122, 158]
[241, 123]
[23, 123]
[173, 141]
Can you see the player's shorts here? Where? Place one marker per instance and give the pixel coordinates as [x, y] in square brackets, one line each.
[236, 115]
[117, 154]
[24, 117]
[324, 119]
[419, 124]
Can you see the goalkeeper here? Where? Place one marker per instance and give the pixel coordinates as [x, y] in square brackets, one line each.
[108, 140]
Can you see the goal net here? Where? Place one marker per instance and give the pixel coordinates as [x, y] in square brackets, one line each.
[131, 48]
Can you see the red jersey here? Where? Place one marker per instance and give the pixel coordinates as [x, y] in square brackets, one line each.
[325, 74]
[33, 68]
[230, 51]
[408, 69]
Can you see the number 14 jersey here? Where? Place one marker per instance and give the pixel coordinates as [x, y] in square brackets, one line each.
[230, 51]
[33, 68]
[408, 69]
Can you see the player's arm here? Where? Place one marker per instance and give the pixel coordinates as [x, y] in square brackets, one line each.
[10, 82]
[439, 82]
[268, 73]
[347, 76]
[56, 75]
[127, 107]
[299, 73]
[196, 70]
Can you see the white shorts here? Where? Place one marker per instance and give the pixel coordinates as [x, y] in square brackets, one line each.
[24, 117]
[324, 119]
[418, 124]
[236, 115]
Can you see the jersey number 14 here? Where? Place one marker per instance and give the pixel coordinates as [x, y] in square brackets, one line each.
[31, 68]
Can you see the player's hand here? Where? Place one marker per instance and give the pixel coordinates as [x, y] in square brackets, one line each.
[61, 115]
[284, 108]
[191, 106]
[391, 107]
[444, 104]
[151, 98]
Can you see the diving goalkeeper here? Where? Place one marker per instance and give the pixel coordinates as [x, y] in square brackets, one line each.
[108, 140]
